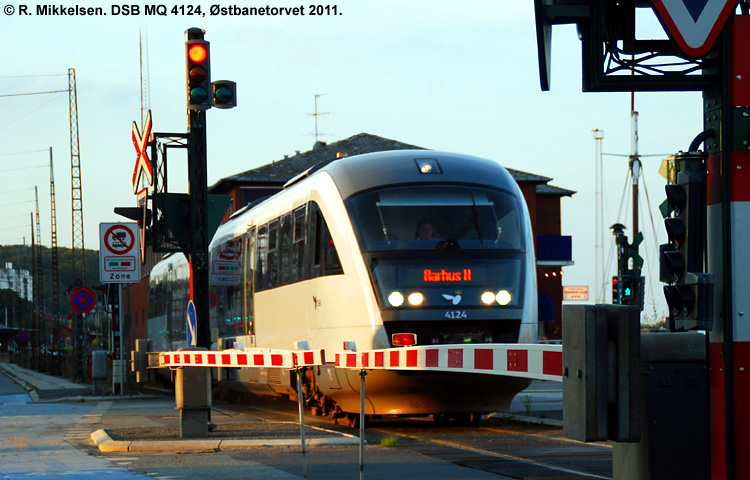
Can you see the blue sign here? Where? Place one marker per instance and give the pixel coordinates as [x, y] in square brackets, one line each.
[192, 325]
[82, 300]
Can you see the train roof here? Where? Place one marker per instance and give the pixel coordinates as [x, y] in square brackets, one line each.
[363, 172]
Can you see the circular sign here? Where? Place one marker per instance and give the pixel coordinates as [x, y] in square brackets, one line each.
[23, 336]
[82, 300]
[119, 239]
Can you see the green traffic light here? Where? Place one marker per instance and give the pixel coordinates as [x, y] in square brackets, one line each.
[627, 291]
[223, 95]
[198, 95]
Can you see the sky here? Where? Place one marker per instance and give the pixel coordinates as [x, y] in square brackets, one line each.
[445, 75]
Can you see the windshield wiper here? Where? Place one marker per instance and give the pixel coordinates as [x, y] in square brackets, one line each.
[452, 241]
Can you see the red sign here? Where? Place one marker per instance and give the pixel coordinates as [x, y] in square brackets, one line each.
[119, 240]
[142, 163]
[694, 25]
[83, 300]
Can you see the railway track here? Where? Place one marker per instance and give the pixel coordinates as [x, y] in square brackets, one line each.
[514, 450]
[498, 444]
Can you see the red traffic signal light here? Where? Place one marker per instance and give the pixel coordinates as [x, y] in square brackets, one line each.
[198, 70]
[615, 290]
[197, 52]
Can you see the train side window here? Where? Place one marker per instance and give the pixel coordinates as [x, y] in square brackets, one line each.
[332, 264]
[273, 254]
[298, 247]
[261, 259]
[248, 306]
[285, 250]
[326, 259]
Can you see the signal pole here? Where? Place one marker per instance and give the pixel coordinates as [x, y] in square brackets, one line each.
[727, 112]
[198, 78]
[198, 190]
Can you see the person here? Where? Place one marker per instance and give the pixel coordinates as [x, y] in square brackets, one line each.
[423, 230]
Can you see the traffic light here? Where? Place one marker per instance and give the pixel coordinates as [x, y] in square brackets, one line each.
[615, 289]
[224, 93]
[627, 290]
[690, 297]
[142, 215]
[198, 69]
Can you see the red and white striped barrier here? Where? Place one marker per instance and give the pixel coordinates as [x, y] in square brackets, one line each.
[541, 362]
[250, 358]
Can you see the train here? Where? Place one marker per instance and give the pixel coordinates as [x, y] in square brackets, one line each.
[373, 251]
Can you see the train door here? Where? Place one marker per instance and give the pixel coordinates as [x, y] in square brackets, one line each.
[248, 282]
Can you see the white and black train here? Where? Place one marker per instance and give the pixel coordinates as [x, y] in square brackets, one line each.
[383, 249]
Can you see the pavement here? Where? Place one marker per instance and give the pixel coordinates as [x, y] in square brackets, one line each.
[109, 414]
[43, 388]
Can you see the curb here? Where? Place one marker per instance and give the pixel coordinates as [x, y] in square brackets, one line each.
[531, 420]
[105, 443]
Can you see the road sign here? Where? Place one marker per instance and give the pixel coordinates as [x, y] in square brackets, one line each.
[192, 325]
[119, 252]
[694, 25]
[142, 163]
[83, 300]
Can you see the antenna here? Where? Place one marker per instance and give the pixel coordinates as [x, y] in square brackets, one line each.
[316, 114]
[145, 81]
[600, 268]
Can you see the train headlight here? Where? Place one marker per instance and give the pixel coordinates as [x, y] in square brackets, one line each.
[488, 298]
[503, 297]
[416, 298]
[396, 299]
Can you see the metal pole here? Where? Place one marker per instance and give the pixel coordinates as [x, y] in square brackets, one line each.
[362, 375]
[301, 421]
[726, 137]
[119, 318]
[635, 167]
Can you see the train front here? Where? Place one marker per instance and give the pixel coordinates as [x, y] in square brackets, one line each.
[448, 246]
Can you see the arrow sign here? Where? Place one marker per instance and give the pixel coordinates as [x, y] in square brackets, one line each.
[694, 25]
[192, 325]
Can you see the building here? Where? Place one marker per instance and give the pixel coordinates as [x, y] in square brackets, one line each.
[20, 281]
[553, 249]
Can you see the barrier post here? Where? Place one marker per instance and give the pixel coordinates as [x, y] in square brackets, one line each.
[362, 374]
[301, 420]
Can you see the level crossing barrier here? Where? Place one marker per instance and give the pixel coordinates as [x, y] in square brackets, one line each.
[233, 358]
[534, 361]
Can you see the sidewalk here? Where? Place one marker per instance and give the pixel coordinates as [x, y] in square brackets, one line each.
[41, 386]
[269, 443]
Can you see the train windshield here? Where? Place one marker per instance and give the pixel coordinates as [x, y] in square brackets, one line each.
[437, 217]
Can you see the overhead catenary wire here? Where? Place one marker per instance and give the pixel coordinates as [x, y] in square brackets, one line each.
[30, 112]
[22, 153]
[13, 217]
[23, 168]
[32, 93]
[35, 76]
[14, 228]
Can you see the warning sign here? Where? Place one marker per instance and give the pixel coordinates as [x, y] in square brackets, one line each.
[119, 252]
